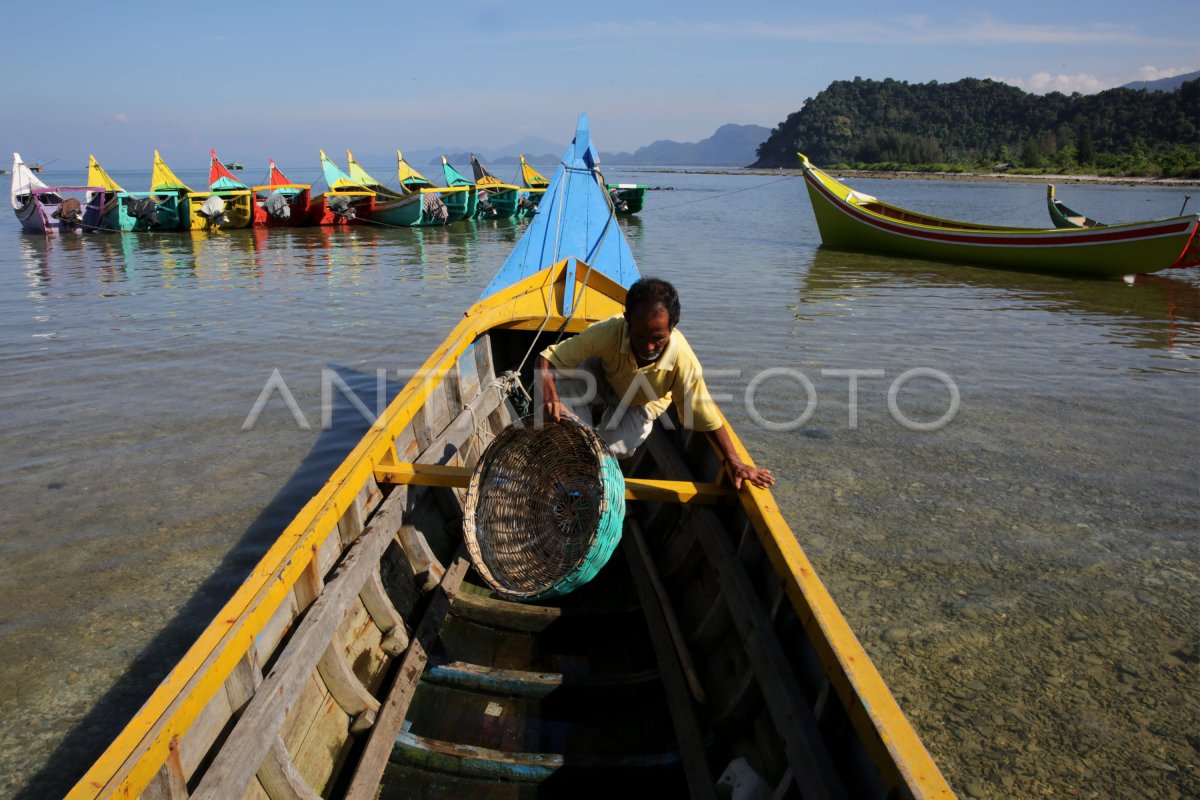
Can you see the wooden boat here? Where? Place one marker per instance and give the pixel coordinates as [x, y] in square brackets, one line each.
[627, 198]
[53, 209]
[226, 206]
[535, 185]
[134, 211]
[343, 201]
[98, 176]
[407, 209]
[497, 199]
[494, 199]
[455, 180]
[854, 221]
[236, 197]
[458, 200]
[1064, 217]
[362, 657]
[279, 203]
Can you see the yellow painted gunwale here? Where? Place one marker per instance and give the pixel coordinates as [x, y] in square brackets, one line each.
[138, 752]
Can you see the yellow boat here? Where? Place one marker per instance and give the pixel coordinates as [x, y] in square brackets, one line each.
[362, 658]
[224, 206]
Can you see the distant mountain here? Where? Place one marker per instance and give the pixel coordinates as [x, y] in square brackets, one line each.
[1163, 84]
[730, 146]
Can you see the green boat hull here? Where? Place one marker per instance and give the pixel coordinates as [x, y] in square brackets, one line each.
[628, 198]
[170, 212]
[851, 221]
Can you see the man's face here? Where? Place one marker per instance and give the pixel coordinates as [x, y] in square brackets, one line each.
[649, 332]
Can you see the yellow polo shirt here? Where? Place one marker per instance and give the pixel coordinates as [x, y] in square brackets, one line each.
[675, 377]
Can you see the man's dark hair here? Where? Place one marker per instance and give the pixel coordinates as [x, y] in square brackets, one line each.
[646, 293]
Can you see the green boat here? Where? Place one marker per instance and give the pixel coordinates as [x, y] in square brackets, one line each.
[133, 211]
[457, 199]
[1064, 217]
[851, 220]
[627, 198]
[494, 199]
[404, 209]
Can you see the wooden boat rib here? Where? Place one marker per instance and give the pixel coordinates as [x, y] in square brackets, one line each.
[854, 221]
[361, 659]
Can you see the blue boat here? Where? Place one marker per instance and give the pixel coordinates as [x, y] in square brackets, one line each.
[368, 655]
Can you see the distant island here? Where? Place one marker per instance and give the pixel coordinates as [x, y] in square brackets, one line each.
[730, 146]
[973, 125]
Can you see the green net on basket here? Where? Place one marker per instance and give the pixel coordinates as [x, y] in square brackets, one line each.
[544, 510]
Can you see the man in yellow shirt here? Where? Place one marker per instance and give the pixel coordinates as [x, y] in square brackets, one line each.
[636, 365]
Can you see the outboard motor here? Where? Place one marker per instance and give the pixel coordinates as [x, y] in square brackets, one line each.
[70, 213]
[340, 207]
[277, 206]
[213, 211]
[527, 205]
[143, 209]
[618, 203]
[485, 206]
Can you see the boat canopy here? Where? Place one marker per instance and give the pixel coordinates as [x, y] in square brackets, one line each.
[163, 179]
[409, 178]
[575, 220]
[275, 176]
[23, 180]
[219, 177]
[335, 178]
[531, 177]
[97, 176]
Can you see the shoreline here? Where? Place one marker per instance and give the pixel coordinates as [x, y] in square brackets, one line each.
[992, 177]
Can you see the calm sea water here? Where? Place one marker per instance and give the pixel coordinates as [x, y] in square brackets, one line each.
[1025, 576]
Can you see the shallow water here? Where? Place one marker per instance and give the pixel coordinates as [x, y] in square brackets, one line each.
[1025, 576]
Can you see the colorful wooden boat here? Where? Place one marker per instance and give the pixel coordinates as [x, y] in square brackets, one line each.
[458, 200]
[98, 176]
[134, 211]
[406, 209]
[497, 199]
[535, 185]
[455, 180]
[627, 198]
[54, 209]
[236, 198]
[279, 203]
[494, 199]
[343, 201]
[854, 221]
[1064, 217]
[226, 207]
[363, 659]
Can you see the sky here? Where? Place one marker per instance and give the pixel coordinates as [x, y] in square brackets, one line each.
[262, 79]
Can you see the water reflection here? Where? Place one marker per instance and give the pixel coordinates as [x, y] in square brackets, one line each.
[1150, 311]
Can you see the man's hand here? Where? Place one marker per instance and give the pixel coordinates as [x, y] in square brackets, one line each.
[552, 408]
[739, 472]
[759, 476]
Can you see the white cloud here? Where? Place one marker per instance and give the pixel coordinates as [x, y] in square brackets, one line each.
[1044, 82]
[1085, 83]
[1154, 73]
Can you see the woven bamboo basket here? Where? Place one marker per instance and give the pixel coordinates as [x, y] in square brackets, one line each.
[544, 510]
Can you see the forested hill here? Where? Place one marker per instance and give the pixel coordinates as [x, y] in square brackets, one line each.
[974, 123]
